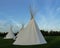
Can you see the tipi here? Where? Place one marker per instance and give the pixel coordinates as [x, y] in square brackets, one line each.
[31, 35]
[21, 30]
[10, 34]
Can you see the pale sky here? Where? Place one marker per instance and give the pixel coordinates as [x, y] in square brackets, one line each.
[16, 12]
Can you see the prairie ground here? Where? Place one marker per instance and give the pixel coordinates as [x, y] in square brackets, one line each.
[52, 42]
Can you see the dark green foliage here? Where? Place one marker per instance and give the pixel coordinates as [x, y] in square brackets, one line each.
[50, 33]
[45, 33]
[3, 34]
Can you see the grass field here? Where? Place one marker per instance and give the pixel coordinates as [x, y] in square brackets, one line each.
[53, 42]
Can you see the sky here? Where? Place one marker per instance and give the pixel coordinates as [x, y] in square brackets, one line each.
[16, 13]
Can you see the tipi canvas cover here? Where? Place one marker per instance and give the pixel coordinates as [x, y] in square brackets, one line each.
[31, 35]
[21, 30]
[10, 34]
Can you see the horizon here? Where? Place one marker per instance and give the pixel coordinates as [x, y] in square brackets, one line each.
[16, 12]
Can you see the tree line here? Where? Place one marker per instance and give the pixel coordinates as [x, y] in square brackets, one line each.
[50, 33]
[45, 33]
[5, 33]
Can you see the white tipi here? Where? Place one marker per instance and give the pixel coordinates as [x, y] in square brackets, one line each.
[31, 35]
[21, 30]
[10, 34]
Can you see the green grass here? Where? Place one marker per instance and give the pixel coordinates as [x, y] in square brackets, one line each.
[52, 42]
